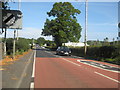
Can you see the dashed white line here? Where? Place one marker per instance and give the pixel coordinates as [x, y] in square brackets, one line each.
[108, 77]
[64, 59]
[71, 62]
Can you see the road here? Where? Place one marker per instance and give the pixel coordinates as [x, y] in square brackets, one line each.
[42, 68]
[54, 71]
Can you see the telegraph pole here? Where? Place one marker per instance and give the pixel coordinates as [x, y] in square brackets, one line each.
[19, 6]
[14, 44]
[86, 19]
[5, 43]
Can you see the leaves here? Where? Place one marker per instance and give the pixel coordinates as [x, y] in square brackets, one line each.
[64, 26]
[41, 41]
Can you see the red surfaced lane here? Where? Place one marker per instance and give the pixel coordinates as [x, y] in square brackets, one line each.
[59, 73]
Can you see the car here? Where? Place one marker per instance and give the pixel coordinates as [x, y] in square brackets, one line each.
[63, 50]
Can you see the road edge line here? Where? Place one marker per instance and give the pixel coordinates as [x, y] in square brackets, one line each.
[33, 72]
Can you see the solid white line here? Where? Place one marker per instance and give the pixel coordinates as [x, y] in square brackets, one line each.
[99, 67]
[32, 85]
[22, 76]
[108, 77]
[33, 73]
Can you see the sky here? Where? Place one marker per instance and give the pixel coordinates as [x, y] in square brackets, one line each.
[102, 19]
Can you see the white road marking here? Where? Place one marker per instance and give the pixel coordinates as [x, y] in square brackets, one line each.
[22, 75]
[32, 86]
[71, 62]
[33, 73]
[99, 67]
[108, 77]
[63, 58]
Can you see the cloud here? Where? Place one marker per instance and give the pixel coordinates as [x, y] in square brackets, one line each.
[28, 32]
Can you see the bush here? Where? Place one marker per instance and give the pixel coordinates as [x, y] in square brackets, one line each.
[104, 53]
[107, 51]
[22, 45]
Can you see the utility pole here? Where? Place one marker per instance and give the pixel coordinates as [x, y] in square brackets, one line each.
[14, 44]
[19, 6]
[86, 19]
[5, 43]
[17, 29]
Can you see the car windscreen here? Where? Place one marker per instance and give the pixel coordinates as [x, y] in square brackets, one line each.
[64, 48]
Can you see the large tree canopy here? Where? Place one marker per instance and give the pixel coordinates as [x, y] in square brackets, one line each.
[64, 26]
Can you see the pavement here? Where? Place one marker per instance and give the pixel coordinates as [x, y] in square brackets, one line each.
[18, 74]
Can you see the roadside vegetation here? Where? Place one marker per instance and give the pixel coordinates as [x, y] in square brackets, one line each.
[22, 45]
[106, 53]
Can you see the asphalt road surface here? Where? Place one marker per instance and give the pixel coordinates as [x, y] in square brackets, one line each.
[54, 71]
[42, 68]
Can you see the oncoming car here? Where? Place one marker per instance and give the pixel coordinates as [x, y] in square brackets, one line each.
[63, 50]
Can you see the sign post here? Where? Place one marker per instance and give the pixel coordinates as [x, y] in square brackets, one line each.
[14, 44]
[5, 43]
[10, 19]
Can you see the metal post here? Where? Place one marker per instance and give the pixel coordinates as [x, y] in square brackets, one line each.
[14, 44]
[19, 6]
[5, 43]
[86, 16]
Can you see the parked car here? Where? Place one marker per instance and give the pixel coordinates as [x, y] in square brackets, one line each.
[63, 50]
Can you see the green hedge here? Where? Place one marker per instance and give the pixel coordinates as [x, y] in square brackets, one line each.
[22, 45]
[104, 53]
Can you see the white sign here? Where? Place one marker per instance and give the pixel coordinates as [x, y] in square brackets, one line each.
[11, 19]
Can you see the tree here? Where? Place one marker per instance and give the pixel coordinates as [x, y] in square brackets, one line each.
[64, 26]
[41, 41]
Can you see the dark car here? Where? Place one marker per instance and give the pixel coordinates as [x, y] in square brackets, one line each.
[63, 50]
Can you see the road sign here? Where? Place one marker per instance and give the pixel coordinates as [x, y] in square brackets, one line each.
[11, 19]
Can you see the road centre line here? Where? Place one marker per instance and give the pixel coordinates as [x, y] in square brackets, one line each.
[70, 61]
[99, 67]
[94, 72]
[83, 63]
[64, 59]
[108, 77]
[22, 75]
